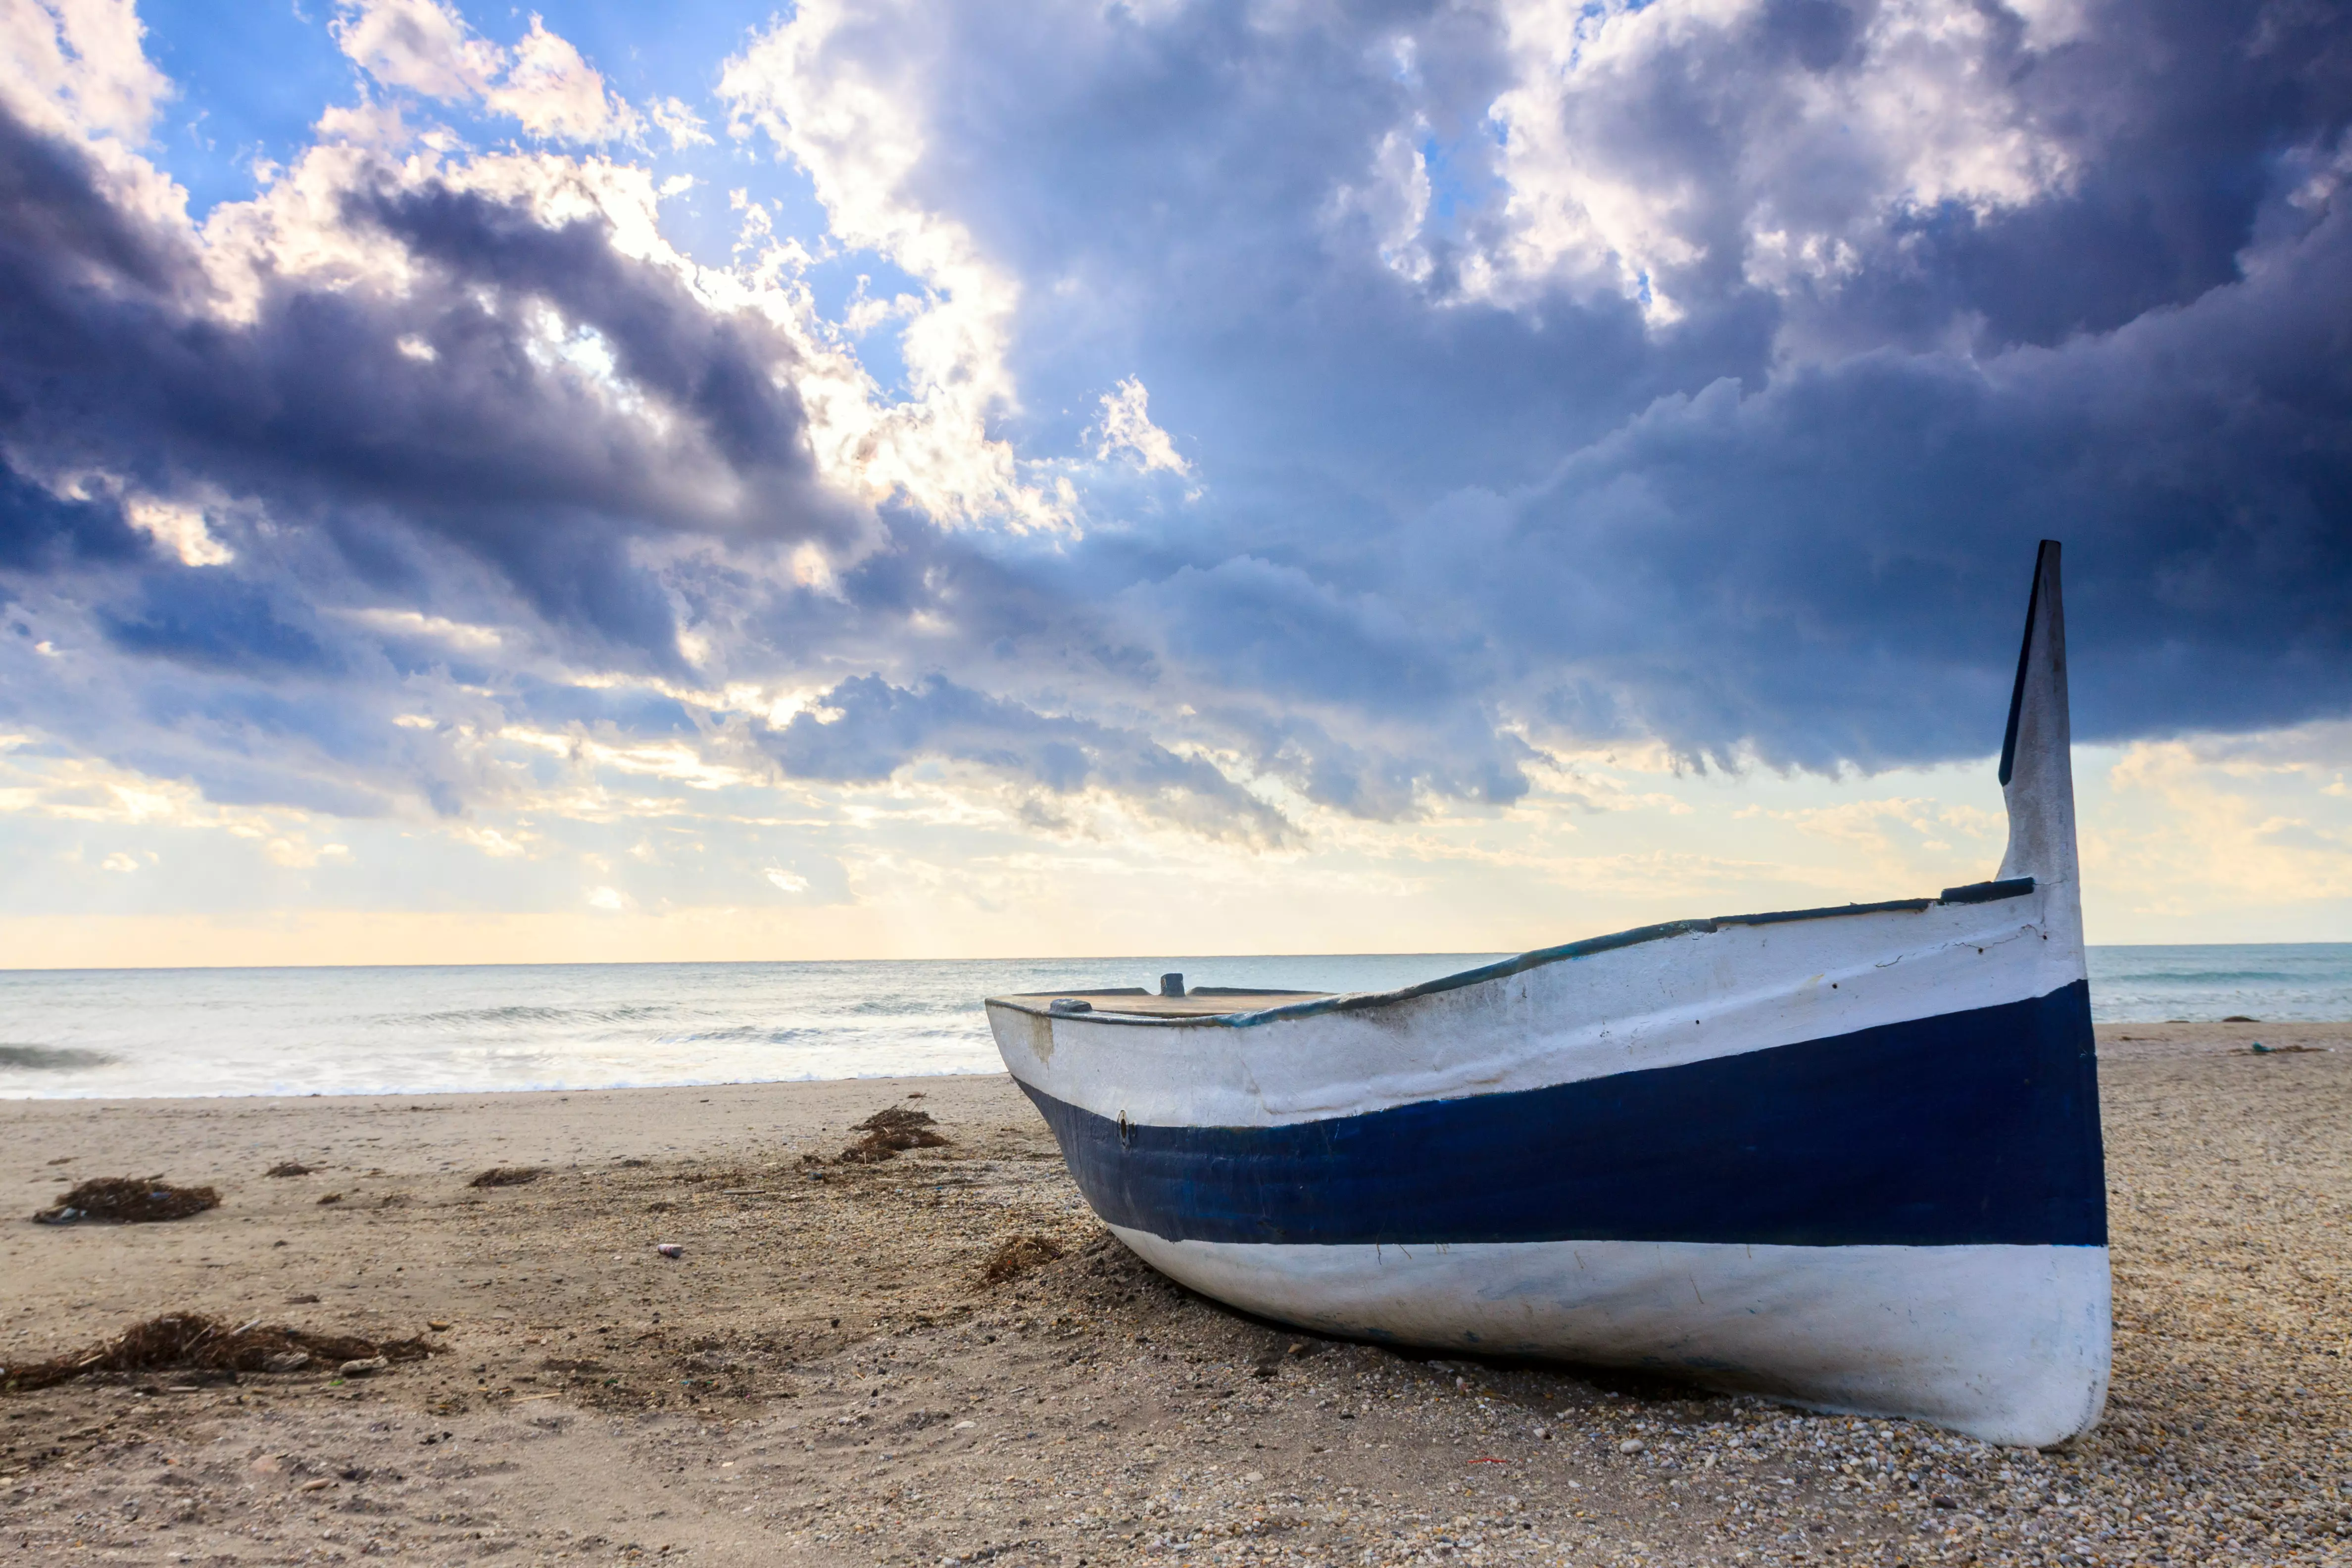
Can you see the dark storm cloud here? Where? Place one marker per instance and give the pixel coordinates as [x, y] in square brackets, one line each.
[208, 618]
[355, 473]
[2182, 118]
[721, 369]
[328, 408]
[1443, 515]
[40, 530]
[1425, 508]
[1830, 568]
[869, 729]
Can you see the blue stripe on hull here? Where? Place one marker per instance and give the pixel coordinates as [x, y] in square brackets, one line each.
[1975, 1126]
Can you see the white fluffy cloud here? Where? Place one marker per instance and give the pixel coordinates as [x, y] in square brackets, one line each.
[80, 65]
[844, 93]
[1125, 428]
[426, 47]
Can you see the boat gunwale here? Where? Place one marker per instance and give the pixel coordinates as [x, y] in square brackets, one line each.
[1503, 968]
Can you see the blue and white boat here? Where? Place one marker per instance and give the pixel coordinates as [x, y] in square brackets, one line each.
[1849, 1158]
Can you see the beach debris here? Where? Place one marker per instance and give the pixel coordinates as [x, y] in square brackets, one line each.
[438, 1325]
[193, 1342]
[2239, 1018]
[669, 1249]
[363, 1366]
[318, 1484]
[889, 1133]
[1018, 1257]
[128, 1200]
[287, 1361]
[288, 1168]
[573, 1366]
[508, 1177]
[332, 1198]
[2260, 1049]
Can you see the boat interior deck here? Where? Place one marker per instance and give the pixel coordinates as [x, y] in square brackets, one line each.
[1208, 1001]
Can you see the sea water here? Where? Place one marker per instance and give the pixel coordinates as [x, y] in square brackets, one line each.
[609, 1026]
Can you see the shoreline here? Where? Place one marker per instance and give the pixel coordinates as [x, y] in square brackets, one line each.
[828, 1375]
[2154, 1036]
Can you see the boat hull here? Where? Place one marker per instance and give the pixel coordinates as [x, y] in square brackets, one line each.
[2005, 1343]
[1847, 1157]
[1849, 1160]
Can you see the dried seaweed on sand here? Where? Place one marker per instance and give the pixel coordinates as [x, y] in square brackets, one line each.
[192, 1341]
[508, 1177]
[890, 1132]
[1018, 1257]
[128, 1200]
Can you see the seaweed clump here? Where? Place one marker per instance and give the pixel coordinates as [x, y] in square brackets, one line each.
[889, 1133]
[194, 1343]
[508, 1177]
[1018, 1257]
[128, 1200]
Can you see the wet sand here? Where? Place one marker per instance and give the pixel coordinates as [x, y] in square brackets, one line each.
[825, 1375]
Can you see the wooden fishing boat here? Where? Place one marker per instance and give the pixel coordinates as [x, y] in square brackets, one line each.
[1845, 1157]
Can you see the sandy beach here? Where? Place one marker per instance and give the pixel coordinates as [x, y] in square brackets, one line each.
[826, 1374]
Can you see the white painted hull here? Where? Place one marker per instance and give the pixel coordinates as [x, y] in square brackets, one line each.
[2005, 1343]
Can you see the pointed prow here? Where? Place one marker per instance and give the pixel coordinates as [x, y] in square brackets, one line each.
[2037, 774]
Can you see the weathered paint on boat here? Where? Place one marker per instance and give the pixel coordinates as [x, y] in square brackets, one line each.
[1848, 1157]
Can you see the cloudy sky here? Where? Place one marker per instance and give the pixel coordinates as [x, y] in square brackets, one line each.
[906, 477]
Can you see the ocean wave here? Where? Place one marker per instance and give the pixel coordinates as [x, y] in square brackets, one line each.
[52, 1058]
[472, 1017]
[2155, 977]
[823, 1033]
[897, 1006]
